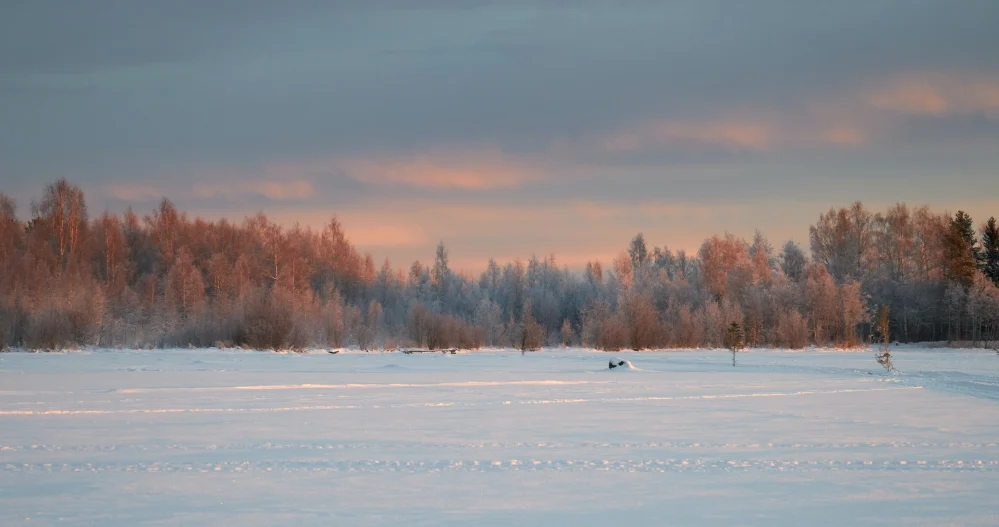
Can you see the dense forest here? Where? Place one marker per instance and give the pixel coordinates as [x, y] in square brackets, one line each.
[164, 279]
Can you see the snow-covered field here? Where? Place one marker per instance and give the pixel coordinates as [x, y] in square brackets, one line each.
[209, 437]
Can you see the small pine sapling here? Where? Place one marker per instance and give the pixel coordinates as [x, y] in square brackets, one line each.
[883, 326]
[734, 339]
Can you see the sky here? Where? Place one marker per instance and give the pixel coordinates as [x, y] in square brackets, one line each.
[505, 128]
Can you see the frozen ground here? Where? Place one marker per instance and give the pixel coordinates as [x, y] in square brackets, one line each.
[208, 437]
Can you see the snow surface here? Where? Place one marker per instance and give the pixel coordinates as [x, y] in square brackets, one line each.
[214, 437]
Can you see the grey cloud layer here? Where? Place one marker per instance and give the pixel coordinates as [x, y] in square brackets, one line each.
[167, 95]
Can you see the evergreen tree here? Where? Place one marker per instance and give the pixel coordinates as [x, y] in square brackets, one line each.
[966, 227]
[959, 247]
[990, 250]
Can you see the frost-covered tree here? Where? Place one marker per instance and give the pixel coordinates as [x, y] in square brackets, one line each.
[567, 334]
[724, 262]
[61, 216]
[185, 288]
[531, 333]
[368, 330]
[854, 312]
[638, 252]
[793, 261]
[841, 241]
[169, 279]
[441, 275]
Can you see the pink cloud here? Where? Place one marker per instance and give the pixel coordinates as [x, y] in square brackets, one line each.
[135, 193]
[845, 136]
[679, 210]
[574, 232]
[275, 190]
[774, 130]
[937, 94]
[283, 190]
[740, 134]
[840, 119]
[593, 210]
[910, 98]
[385, 235]
[984, 95]
[464, 170]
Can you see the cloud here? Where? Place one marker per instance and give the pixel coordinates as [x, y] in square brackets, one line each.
[775, 131]
[936, 94]
[133, 192]
[829, 122]
[575, 232]
[220, 187]
[910, 98]
[849, 117]
[733, 134]
[274, 190]
[575, 259]
[372, 233]
[461, 170]
[680, 210]
[593, 210]
[283, 191]
[845, 136]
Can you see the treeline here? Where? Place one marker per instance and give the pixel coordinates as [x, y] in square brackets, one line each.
[164, 279]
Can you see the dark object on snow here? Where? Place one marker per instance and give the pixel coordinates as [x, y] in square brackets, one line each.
[452, 351]
[334, 352]
[611, 364]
